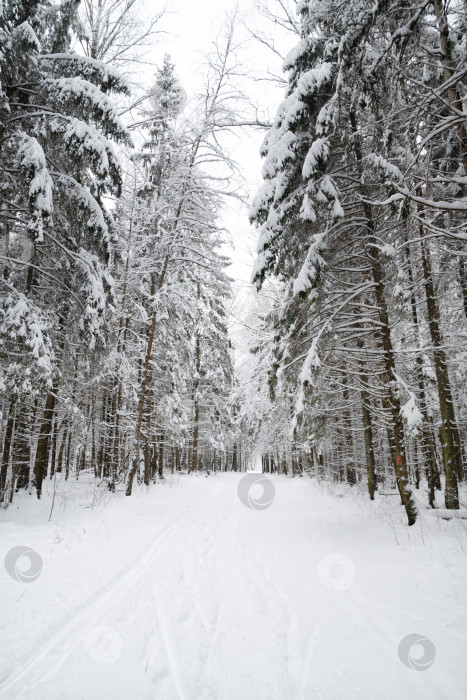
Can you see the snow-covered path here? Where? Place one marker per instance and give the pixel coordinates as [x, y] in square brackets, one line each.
[183, 593]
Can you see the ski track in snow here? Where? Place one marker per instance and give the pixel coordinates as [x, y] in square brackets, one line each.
[226, 603]
[95, 609]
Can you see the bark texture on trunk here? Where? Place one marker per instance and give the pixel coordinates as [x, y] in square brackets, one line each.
[42, 454]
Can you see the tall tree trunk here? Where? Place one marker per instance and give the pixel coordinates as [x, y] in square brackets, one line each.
[463, 281]
[397, 426]
[95, 27]
[369, 451]
[428, 438]
[451, 447]
[178, 459]
[145, 383]
[68, 455]
[102, 446]
[23, 456]
[349, 467]
[53, 446]
[161, 455]
[146, 377]
[234, 457]
[107, 441]
[7, 445]
[196, 385]
[112, 443]
[449, 71]
[42, 453]
[61, 451]
[147, 448]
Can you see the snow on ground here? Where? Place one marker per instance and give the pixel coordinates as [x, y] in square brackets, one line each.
[184, 593]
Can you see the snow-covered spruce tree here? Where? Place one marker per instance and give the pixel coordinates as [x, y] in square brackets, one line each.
[138, 252]
[424, 165]
[355, 81]
[184, 419]
[304, 236]
[162, 195]
[165, 403]
[267, 404]
[213, 371]
[422, 161]
[56, 165]
[149, 411]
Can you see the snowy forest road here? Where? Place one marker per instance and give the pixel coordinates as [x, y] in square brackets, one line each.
[183, 593]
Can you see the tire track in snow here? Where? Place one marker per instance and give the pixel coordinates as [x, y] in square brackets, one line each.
[99, 606]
